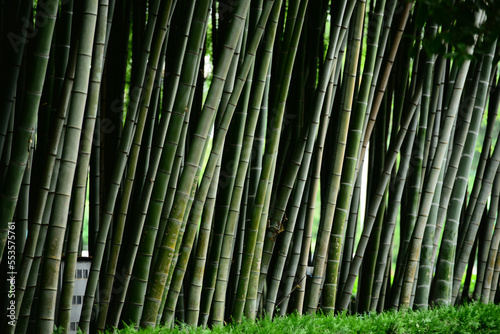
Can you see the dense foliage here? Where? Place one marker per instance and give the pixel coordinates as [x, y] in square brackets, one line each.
[469, 318]
[229, 159]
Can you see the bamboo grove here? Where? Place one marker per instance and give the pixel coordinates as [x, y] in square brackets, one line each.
[340, 155]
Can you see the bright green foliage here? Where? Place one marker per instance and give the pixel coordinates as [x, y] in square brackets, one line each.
[470, 318]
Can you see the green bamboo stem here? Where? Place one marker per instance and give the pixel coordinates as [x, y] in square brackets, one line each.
[121, 158]
[496, 282]
[418, 152]
[464, 251]
[189, 123]
[223, 239]
[374, 205]
[252, 302]
[433, 106]
[308, 226]
[200, 255]
[367, 271]
[22, 209]
[81, 173]
[387, 237]
[159, 172]
[233, 155]
[384, 37]
[468, 133]
[176, 254]
[64, 27]
[489, 284]
[376, 20]
[426, 201]
[59, 217]
[21, 219]
[427, 257]
[427, 260]
[302, 156]
[203, 209]
[155, 290]
[105, 291]
[229, 84]
[5, 158]
[31, 281]
[238, 247]
[282, 48]
[315, 179]
[266, 176]
[11, 65]
[347, 148]
[219, 296]
[432, 150]
[172, 186]
[150, 127]
[483, 292]
[25, 129]
[382, 81]
[290, 284]
[321, 122]
[484, 86]
[485, 153]
[240, 237]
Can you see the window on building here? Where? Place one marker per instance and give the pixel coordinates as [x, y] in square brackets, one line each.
[77, 300]
[82, 273]
[73, 326]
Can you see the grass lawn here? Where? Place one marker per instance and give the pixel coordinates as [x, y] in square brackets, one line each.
[470, 318]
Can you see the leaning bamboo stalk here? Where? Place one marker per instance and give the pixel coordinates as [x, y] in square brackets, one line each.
[5, 158]
[376, 200]
[318, 123]
[119, 168]
[203, 209]
[31, 283]
[469, 134]
[343, 173]
[128, 183]
[168, 135]
[464, 251]
[453, 193]
[417, 178]
[318, 153]
[302, 154]
[24, 131]
[289, 283]
[59, 217]
[495, 287]
[222, 245]
[252, 302]
[485, 290]
[81, 173]
[426, 258]
[266, 175]
[159, 278]
[12, 56]
[426, 201]
[387, 236]
[382, 83]
[488, 285]
[219, 297]
[44, 185]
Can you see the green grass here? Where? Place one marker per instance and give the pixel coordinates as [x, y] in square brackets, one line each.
[470, 318]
